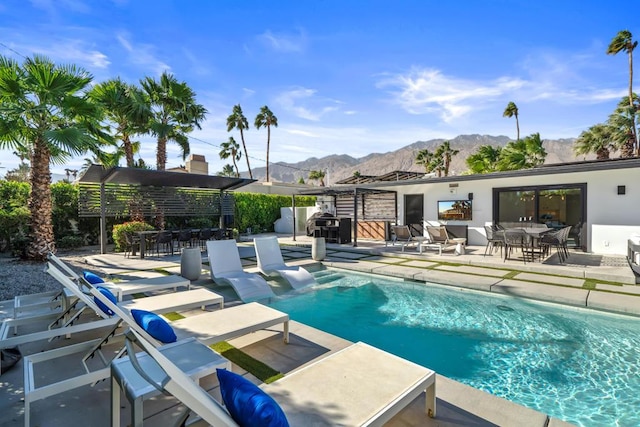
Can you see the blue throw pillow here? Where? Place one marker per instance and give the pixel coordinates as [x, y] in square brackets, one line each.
[155, 325]
[110, 296]
[247, 404]
[92, 278]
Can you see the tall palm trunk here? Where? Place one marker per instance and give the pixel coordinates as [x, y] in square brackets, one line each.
[128, 149]
[235, 165]
[42, 240]
[246, 155]
[161, 153]
[517, 127]
[268, 142]
[633, 115]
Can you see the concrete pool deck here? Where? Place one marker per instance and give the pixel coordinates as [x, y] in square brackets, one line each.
[604, 287]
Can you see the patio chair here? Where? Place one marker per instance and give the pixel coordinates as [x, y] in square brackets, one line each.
[313, 395]
[129, 287]
[164, 239]
[99, 369]
[403, 236]
[439, 238]
[131, 243]
[270, 262]
[226, 267]
[494, 239]
[184, 237]
[517, 238]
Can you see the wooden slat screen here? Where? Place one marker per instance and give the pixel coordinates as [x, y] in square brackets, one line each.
[121, 200]
[371, 207]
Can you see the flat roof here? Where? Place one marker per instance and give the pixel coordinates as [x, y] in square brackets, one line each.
[98, 174]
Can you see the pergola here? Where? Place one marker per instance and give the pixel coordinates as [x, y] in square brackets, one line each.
[117, 191]
[369, 204]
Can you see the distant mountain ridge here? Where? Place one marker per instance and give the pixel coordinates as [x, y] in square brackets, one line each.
[340, 166]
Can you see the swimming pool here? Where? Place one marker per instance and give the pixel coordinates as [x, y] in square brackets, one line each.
[578, 365]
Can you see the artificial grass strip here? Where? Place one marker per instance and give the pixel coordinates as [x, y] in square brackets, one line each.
[255, 367]
[511, 274]
[138, 295]
[173, 316]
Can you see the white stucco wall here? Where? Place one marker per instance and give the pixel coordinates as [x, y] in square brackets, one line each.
[611, 218]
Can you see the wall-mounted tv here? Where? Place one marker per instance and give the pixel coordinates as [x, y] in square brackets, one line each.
[454, 210]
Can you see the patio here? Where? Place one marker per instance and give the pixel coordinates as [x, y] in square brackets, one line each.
[585, 280]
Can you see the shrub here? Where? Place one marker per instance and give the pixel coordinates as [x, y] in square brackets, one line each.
[70, 242]
[120, 230]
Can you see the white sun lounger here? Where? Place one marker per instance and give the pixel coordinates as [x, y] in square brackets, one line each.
[270, 262]
[129, 287]
[89, 349]
[225, 266]
[357, 386]
[213, 326]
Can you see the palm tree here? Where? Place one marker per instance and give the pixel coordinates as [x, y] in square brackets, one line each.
[510, 111]
[231, 149]
[45, 113]
[174, 113]
[446, 152]
[484, 160]
[596, 139]
[227, 170]
[237, 120]
[317, 175]
[266, 118]
[522, 154]
[424, 158]
[622, 123]
[623, 41]
[128, 108]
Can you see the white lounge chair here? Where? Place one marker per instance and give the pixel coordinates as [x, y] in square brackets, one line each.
[89, 349]
[359, 385]
[213, 326]
[226, 267]
[129, 287]
[270, 262]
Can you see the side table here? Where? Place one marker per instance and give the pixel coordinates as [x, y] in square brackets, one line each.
[460, 242]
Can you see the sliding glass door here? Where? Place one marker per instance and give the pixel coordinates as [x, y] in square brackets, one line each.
[557, 206]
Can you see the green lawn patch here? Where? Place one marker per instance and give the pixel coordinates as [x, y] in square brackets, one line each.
[173, 316]
[258, 369]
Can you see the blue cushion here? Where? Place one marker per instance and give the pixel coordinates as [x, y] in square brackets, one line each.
[247, 404]
[111, 297]
[92, 278]
[155, 325]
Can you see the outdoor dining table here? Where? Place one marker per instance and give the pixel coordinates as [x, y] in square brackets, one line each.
[143, 241]
[535, 232]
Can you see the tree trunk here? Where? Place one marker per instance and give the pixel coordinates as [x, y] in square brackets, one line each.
[634, 131]
[161, 154]
[517, 128]
[42, 240]
[128, 149]
[246, 155]
[268, 142]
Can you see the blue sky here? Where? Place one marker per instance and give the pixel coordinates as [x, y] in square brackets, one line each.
[345, 77]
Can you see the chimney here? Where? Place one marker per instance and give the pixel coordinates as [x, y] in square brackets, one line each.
[197, 164]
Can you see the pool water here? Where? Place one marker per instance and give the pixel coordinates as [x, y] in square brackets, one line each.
[578, 365]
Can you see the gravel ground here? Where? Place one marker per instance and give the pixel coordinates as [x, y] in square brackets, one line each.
[19, 277]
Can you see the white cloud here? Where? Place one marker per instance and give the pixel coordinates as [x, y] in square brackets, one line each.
[304, 103]
[429, 91]
[142, 54]
[284, 42]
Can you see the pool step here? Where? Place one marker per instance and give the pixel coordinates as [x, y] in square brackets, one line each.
[328, 278]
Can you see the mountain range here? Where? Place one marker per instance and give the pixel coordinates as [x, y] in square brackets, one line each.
[341, 166]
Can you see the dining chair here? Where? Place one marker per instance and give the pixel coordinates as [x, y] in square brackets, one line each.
[164, 239]
[494, 239]
[517, 238]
